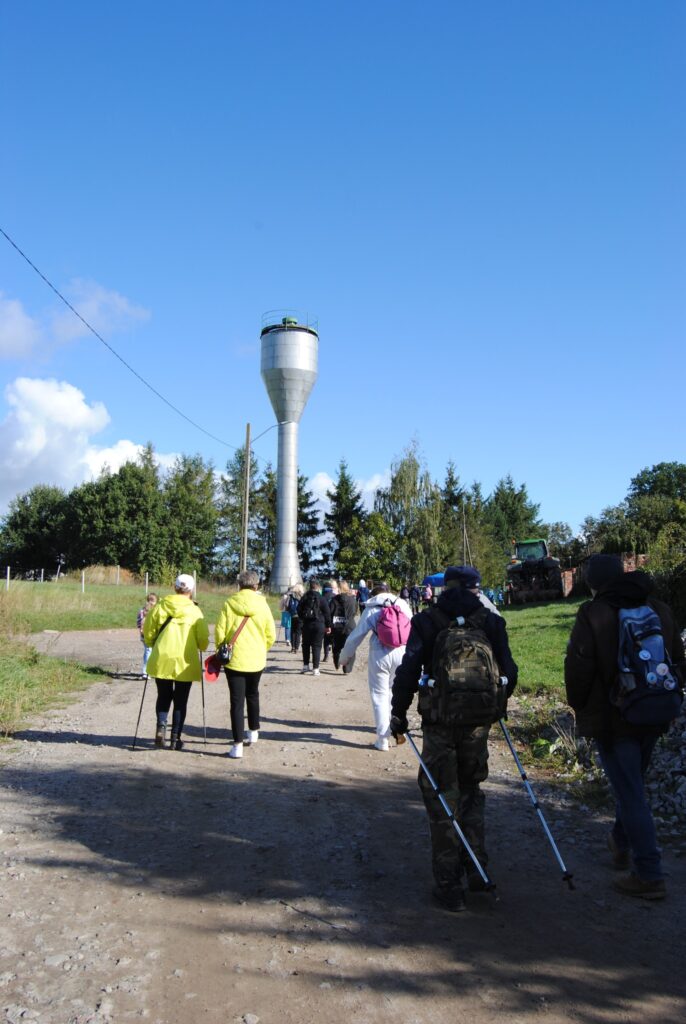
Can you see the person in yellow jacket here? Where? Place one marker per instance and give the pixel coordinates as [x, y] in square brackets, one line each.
[176, 630]
[249, 655]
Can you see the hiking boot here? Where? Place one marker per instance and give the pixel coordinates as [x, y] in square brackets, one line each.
[236, 750]
[304, 670]
[632, 885]
[176, 742]
[160, 733]
[449, 898]
[620, 857]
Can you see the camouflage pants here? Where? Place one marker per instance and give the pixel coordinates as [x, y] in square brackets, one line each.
[457, 757]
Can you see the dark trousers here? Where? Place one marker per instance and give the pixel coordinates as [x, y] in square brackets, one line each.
[169, 690]
[296, 633]
[625, 761]
[243, 691]
[337, 644]
[313, 634]
[457, 757]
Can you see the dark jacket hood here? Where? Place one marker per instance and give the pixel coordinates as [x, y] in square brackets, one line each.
[628, 591]
[458, 601]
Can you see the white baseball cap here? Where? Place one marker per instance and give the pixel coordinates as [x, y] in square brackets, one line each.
[185, 582]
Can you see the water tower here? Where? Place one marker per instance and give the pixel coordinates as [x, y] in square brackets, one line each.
[289, 370]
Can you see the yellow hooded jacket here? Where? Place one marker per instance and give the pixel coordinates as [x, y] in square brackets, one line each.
[256, 637]
[175, 654]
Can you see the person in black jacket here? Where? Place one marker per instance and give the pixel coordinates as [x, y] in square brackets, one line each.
[315, 616]
[343, 607]
[456, 755]
[591, 667]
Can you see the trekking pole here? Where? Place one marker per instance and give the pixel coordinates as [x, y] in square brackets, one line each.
[140, 712]
[566, 875]
[489, 885]
[202, 690]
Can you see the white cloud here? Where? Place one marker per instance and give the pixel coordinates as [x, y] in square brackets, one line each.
[321, 482]
[105, 310]
[19, 332]
[47, 438]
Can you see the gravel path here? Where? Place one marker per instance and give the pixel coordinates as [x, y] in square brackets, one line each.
[293, 886]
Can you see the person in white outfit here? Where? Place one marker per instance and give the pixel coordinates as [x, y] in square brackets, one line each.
[383, 660]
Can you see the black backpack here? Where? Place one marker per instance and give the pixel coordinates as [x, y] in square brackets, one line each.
[308, 607]
[293, 604]
[338, 617]
[464, 688]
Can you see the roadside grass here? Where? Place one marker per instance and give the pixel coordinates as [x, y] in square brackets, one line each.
[30, 682]
[60, 605]
[538, 639]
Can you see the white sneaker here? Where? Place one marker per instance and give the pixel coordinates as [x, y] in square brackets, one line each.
[252, 736]
[304, 670]
[381, 744]
[236, 750]
[316, 672]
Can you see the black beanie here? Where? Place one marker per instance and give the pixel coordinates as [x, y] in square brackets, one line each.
[602, 569]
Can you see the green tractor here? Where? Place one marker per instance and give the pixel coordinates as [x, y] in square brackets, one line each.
[532, 574]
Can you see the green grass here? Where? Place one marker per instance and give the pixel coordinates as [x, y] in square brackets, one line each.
[538, 639]
[62, 606]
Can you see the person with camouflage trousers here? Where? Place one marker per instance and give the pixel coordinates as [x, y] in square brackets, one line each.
[456, 755]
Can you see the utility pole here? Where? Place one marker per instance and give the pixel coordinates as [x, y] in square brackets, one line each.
[246, 500]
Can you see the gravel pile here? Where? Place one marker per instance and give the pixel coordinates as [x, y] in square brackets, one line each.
[666, 779]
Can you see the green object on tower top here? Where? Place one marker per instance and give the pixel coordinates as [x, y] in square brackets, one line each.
[289, 321]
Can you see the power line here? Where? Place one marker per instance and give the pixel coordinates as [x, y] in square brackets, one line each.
[114, 351]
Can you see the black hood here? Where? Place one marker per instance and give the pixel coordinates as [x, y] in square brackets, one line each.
[627, 591]
[458, 601]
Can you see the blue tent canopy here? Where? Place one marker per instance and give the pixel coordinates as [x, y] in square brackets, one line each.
[435, 580]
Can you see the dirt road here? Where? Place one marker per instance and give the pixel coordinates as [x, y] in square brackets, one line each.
[293, 886]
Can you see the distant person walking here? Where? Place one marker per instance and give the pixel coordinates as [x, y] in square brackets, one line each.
[247, 617]
[343, 607]
[415, 597]
[315, 615]
[150, 602]
[176, 631]
[328, 593]
[285, 617]
[362, 595]
[386, 650]
[294, 595]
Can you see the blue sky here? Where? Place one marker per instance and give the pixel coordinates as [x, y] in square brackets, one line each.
[482, 203]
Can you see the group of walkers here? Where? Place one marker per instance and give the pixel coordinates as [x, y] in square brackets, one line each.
[176, 631]
[624, 675]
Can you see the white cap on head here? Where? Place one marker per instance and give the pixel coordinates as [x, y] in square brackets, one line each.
[362, 584]
[185, 582]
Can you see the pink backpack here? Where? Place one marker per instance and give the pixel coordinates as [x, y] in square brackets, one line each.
[393, 626]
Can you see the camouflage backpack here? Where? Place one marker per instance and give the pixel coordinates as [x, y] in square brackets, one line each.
[464, 688]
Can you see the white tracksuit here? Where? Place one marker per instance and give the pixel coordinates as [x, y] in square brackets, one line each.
[382, 662]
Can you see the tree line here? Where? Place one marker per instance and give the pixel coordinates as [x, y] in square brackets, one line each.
[190, 518]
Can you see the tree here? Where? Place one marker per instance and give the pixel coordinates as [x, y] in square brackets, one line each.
[263, 527]
[411, 505]
[32, 534]
[310, 547]
[370, 551]
[346, 513]
[666, 479]
[510, 513]
[230, 513]
[191, 514]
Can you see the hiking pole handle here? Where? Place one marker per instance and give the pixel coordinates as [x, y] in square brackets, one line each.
[566, 875]
[490, 886]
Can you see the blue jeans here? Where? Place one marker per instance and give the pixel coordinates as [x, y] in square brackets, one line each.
[625, 761]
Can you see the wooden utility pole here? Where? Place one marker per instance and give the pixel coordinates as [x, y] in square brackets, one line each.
[246, 500]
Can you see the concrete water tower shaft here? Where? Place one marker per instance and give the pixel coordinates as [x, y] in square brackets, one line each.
[289, 370]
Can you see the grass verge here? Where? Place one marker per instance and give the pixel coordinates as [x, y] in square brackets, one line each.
[538, 639]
